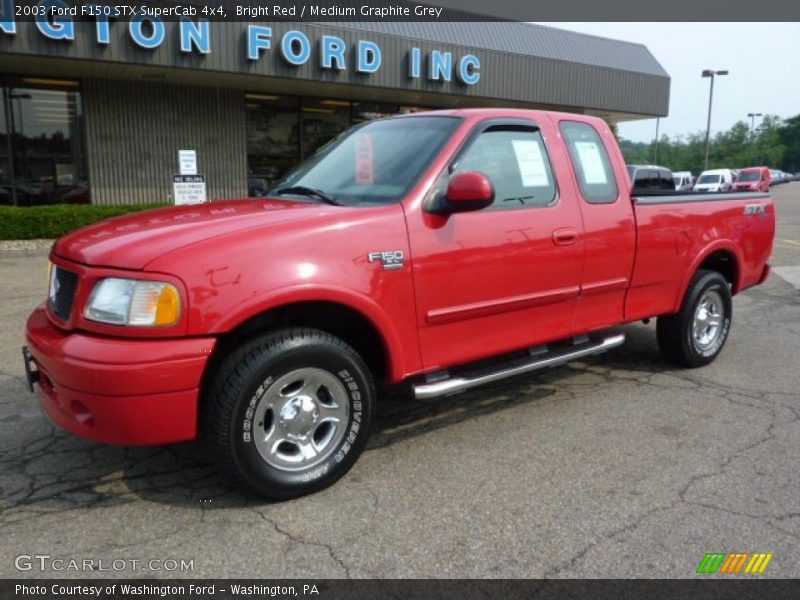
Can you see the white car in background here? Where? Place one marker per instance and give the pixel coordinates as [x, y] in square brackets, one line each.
[683, 180]
[715, 180]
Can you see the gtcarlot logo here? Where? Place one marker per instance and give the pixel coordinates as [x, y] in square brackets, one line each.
[48, 563]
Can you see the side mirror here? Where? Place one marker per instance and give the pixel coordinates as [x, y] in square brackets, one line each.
[467, 191]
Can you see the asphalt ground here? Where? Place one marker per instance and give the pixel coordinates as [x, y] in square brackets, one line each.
[614, 466]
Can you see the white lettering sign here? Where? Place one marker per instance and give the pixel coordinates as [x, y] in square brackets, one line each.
[189, 189]
[187, 162]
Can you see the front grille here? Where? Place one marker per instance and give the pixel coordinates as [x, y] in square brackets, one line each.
[62, 292]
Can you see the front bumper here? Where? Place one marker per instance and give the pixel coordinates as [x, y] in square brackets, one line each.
[115, 390]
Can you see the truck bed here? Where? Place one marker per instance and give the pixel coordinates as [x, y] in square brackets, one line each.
[675, 230]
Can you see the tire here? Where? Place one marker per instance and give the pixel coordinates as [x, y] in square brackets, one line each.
[690, 343]
[303, 386]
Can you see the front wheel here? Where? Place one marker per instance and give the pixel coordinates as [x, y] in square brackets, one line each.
[288, 414]
[695, 335]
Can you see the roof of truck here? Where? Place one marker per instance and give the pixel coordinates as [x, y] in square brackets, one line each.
[500, 113]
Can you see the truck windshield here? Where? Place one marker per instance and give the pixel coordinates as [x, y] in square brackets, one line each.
[749, 176]
[708, 179]
[375, 163]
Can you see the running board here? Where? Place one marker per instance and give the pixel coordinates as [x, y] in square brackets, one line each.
[540, 360]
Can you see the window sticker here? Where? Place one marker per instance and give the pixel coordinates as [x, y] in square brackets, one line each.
[531, 163]
[594, 172]
[365, 163]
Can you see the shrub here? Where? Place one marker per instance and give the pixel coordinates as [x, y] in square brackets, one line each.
[52, 221]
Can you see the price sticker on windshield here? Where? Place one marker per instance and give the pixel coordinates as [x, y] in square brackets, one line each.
[365, 164]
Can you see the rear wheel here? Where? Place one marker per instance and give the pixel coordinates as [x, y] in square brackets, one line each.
[289, 413]
[695, 335]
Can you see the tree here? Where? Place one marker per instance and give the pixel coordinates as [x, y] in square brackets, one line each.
[775, 144]
[789, 136]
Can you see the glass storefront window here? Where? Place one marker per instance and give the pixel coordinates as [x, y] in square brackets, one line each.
[369, 111]
[407, 110]
[273, 139]
[41, 151]
[323, 120]
[283, 130]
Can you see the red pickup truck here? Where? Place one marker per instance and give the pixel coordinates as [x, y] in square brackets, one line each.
[443, 249]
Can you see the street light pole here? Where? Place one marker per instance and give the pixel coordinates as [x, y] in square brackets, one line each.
[655, 148]
[710, 73]
[753, 124]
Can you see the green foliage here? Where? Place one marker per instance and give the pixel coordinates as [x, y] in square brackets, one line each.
[774, 144]
[789, 136]
[52, 221]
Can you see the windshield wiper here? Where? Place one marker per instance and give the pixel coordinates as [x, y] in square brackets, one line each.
[520, 199]
[301, 190]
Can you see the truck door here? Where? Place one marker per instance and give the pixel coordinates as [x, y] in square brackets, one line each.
[507, 276]
[609, 236]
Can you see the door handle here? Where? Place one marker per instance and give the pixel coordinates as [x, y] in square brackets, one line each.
[565, 237]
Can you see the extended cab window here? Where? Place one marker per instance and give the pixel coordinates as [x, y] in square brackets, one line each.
[514, 158]
[591, 162]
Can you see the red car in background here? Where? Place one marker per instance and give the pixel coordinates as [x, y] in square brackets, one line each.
[753, 179]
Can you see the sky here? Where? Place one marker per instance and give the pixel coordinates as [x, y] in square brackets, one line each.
[763, 60]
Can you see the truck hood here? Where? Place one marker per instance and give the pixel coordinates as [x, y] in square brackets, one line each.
[132, 241]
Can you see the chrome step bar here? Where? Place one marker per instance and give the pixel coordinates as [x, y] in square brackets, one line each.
[539, 360]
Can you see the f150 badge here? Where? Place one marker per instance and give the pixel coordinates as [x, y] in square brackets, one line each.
[390, 259]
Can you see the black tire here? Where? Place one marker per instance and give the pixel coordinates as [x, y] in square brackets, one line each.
[675, 333]
[248, 377]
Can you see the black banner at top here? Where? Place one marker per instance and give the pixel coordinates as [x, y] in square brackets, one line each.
[239, 10]
[399, 10]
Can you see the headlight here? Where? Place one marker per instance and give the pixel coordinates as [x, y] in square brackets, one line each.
[51, 281]
[134, 302]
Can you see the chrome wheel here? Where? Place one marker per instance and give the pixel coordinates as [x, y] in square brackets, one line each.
[300, 418]
[708, 317]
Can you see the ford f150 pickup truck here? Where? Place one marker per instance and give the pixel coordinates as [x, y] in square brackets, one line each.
[442, 250]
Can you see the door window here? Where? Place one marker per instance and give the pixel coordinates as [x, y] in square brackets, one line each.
[591, 163]
[515, 159]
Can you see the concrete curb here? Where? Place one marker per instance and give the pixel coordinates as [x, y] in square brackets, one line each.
[11, 245]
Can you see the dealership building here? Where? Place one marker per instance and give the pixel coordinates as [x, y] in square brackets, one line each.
[97, 111]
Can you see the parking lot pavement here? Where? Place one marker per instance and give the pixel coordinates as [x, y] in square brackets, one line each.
[614, 466]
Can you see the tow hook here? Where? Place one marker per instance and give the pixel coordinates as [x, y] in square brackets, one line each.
[31, 373]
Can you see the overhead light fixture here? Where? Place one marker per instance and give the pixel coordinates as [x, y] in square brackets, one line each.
[326, 111]
[260, 97]
[61, 101]
[49, 93]
[40, 81]
[335, 102]
[60, 109]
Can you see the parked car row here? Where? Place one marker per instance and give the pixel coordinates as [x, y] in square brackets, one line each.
[781, 177]
[652, 178]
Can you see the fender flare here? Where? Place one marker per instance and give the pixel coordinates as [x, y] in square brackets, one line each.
[366, 307]
[715, 246]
